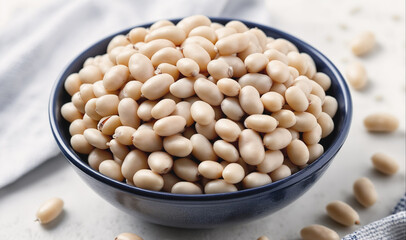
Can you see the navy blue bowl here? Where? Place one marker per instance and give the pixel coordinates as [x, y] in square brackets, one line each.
[209, 210]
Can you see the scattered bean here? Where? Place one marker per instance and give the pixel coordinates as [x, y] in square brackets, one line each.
[364, 192]
[342, 213]
[384, 163]
[318, 232]
[381, 122]
[363, 43]
[357, 75]
[128, 236]
[49, 210]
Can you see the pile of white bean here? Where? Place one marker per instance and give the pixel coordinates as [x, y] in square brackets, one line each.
[199, 107]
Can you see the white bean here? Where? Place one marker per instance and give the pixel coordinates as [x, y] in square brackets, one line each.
[219, 186]
[202, 148]
[140, 67]
[364, 192]
[160, 162]
[229, 87]
[385, 163]
[261, 82]
[134, 161]
[256, 62]
[330, 106]
[356, 75]
[296, 99]
[298, 152]
[226, 151]
[250, 100]
[318, 232]
[116, 77]
[272, 161]
[231, 44]
[157, 86]
[251, 147]
[198, 54]
[188, 67]
[208, 92]
[186, 169]
[232, 109]
[72, 83]
[80, 144]
[256, 179]
[177, 145]
[227, 129]
[278, 71]
[147, 140]
[218, 68]
[285, 118]
[342, 213]
[123, 134]
[277, 139]
[111, 169]
[171, 33]
[96, 138]
[128, 236]
[186, 188]
[49, 210]
[147, 179]
[381, 122]
[210, 169]
[261, 123]
[202, 112]
[363, 43]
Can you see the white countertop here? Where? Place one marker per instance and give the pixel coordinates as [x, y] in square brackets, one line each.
[88, 216]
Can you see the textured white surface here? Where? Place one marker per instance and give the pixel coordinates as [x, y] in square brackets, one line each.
[327, 25]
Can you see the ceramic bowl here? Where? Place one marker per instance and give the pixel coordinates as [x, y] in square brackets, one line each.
[209, 210]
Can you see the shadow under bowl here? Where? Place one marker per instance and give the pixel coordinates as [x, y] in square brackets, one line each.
[208, 210]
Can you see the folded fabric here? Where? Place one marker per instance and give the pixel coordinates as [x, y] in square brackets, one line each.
[392, 227]
[36, 47]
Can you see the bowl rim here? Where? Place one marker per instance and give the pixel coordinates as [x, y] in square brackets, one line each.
[306, 172]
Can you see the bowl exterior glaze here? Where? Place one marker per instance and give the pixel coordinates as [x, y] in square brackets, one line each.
[210, 210]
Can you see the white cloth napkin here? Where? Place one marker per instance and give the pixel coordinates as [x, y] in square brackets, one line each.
[36, 47]
[392, 227]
